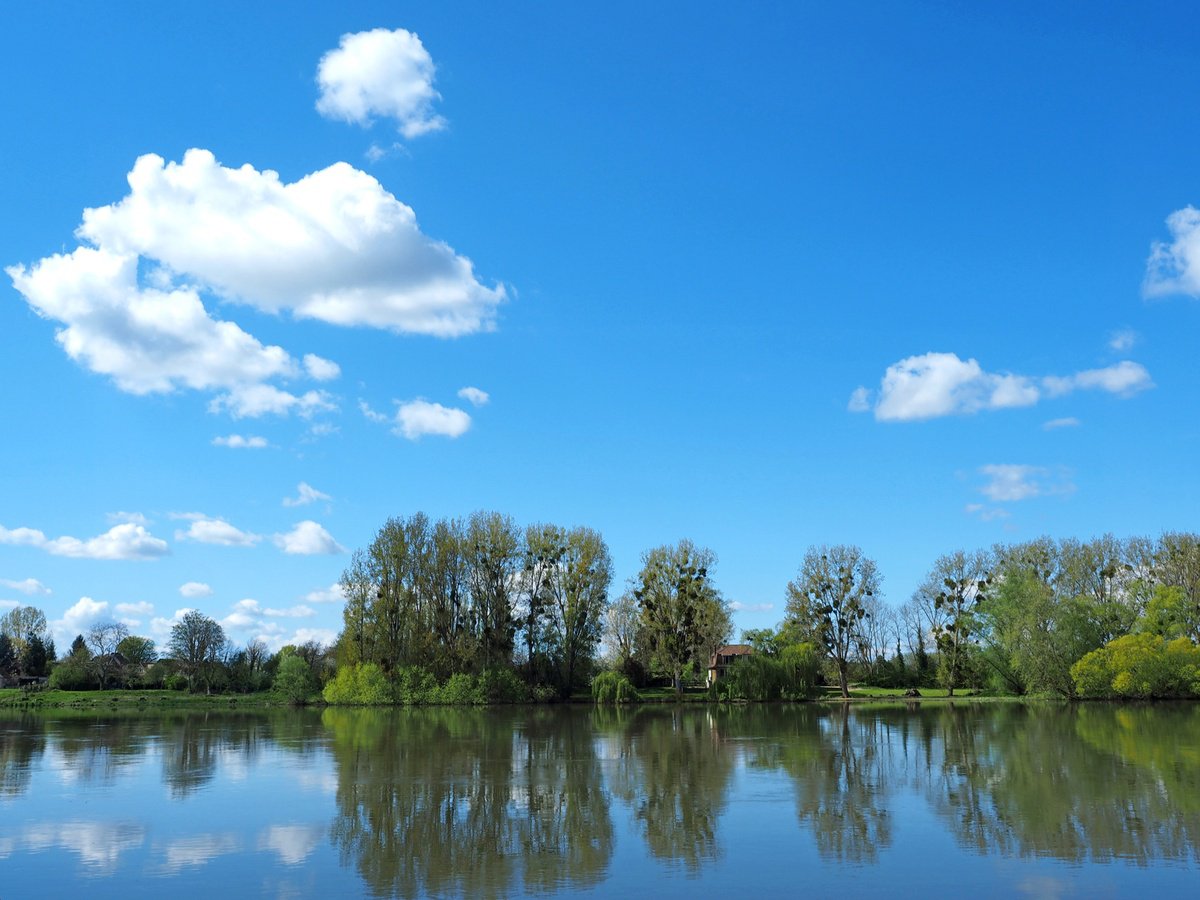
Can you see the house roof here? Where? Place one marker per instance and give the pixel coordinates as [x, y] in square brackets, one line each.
[730, 650]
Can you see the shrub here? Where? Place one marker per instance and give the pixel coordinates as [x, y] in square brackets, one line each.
[72, 676]
[460, 690]
[613, 687]
[416, 686]
[359, 685]
[294, 680]
[502, 686]
[1140, 666]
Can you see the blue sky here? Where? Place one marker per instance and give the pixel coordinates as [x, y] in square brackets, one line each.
[914, 276]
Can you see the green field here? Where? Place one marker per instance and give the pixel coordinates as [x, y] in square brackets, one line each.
[15, 697]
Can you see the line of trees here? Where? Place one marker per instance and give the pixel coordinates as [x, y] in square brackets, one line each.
[1041, 617]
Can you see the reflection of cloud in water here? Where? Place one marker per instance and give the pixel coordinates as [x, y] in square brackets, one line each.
[1044, 887]
[197, 851]
[293, 843]
[98, 844]
[324, 782]
[7, 846]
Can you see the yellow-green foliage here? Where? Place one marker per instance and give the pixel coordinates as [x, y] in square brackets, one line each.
[1140, 666]
[613, 687]
[359, 685]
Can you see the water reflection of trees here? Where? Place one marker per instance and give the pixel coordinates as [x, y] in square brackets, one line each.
[436, 801]
[1019, 780]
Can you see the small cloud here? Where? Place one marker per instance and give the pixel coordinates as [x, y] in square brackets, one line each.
[417, 418]
[332, 594]
[292, 612]
[380, 73]
[240, 442]
[1123, 340]
[474, 396]
[860, 400]
[1008, 483]
[320, 369]
[308, 538]
[370, 414]
[1068, 422]
[986, 513]
[121, 518]
[739, 606]
[194, 590]
[141, 608]
[205, 530]
[28, 586]
[305, 495]
[1174, 267]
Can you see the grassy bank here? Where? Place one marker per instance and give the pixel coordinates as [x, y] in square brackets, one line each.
[16, 698]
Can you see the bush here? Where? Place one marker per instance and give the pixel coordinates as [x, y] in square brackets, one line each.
[502, 686]
[416, 686]
[175, 682]
[613, 687]
[70, 675]
[460, 690]
[359, 685]
[1140, 666]
[294, 680]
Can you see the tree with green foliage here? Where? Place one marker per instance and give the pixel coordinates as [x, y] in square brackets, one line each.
[198, 643]
[1170, 615]
[829, 600]
[21, 624]
[683, 615]
[294, 680]
[103, 638]
[964, 579]
[494, 548]
[139, 651]
[580, 573]
[8, 657]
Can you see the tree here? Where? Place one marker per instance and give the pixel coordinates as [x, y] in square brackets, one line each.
[683, 615]
[35, 658]
[964, 579]
[197, 642]
[494, 546]
[8, 657]
[21, 624]
[578, 591]
[103, 639]
[294, 679]
[830, 597]
[79, 649]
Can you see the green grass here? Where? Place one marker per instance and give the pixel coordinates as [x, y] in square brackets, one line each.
[14, 697]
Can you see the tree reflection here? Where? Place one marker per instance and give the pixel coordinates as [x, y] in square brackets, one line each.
[23, 744]
[1019, 781]
[674, 772]
[435, 801]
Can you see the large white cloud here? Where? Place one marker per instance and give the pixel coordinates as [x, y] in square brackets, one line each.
[1174, 266]
[127, 541]
[308, 538]
[941, 384]
[77, 619]
[380, 73]
[333, 246]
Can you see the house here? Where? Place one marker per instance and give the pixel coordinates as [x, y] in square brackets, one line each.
[723, 658]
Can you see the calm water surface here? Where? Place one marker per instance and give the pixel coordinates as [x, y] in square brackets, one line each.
[1007, 800]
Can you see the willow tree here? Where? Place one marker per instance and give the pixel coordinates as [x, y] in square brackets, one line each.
[829, 600]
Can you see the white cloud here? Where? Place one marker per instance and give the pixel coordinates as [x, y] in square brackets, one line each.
[985, 513]
[27, 586]
[141, 608]
[307, 539]
[291, 612]
[319, 369]
[128, 541]
[246, 614]
[193, 590]
[332, 594]
[739, 606]
[324, 636]
[1174, 268]
[160, 628]
[420, 417]
[250, 401]
[1009, 483]
[98, 845]
[474, 396]
[305, 494]
[9, 604]
[380, 73]
[77, 619]
[240, 442]
[370, 414]
[333, 246]
[1067, 422]
[942, 384]
[1123, 340]
[205, 530]
[121, 518]
[191, 852]
[860, 400]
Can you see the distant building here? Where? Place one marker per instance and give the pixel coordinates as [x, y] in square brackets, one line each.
[723, 658]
